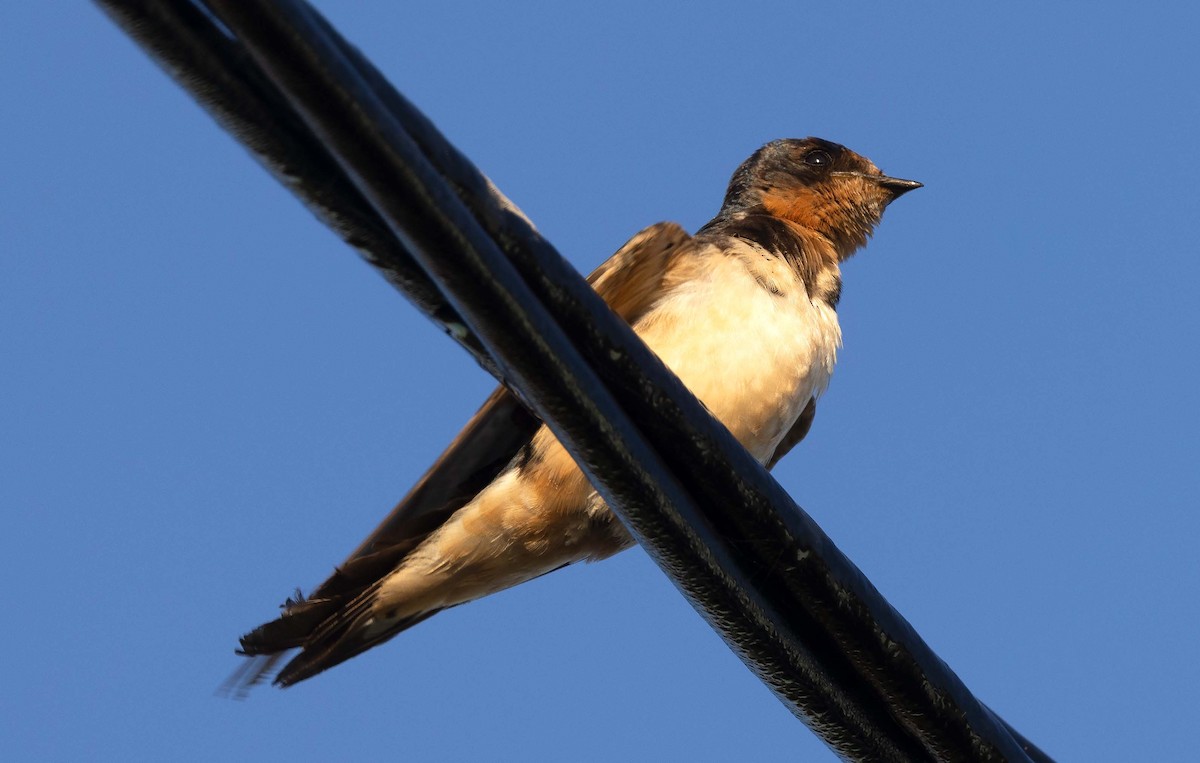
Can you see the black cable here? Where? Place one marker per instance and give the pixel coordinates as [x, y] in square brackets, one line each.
[188, 43]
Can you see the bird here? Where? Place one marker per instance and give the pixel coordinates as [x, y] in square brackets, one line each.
[744, 312]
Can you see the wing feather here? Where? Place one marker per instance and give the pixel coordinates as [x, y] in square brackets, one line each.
[628, 282]
[795, 434]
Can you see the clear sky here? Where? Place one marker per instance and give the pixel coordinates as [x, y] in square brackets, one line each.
[206, 400]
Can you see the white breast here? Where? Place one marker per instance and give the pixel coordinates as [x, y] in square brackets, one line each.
[754, 357]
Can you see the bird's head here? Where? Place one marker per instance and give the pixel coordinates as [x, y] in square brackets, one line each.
[818, 185]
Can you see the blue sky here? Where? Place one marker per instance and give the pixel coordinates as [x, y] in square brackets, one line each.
[207, 400]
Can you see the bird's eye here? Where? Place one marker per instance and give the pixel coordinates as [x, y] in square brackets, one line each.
[818, 159]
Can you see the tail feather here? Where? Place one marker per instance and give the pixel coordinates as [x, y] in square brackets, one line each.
[255, 670]
[338, 643]
[327, 631]
[301, 616]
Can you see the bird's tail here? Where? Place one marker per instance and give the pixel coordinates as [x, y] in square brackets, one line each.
[326, 632]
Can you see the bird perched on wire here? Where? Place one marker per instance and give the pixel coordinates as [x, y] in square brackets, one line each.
[744, 313]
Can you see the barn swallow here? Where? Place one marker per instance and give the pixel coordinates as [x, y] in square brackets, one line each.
[744, 313]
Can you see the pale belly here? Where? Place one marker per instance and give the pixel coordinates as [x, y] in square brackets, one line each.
[753, 357]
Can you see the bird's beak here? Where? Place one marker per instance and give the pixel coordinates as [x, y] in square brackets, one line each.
[897, 186]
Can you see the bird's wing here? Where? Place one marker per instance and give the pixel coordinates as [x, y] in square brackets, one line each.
[628, 281]
[795, 434]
